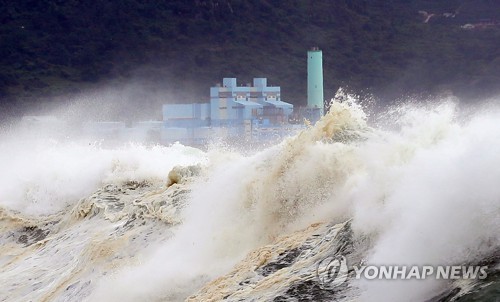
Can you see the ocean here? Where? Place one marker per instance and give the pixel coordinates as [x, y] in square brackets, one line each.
[415, 184]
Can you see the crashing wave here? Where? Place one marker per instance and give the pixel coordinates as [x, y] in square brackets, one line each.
[65, 253]
[257, 227]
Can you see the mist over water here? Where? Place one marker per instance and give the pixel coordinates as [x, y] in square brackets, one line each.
[420, 182]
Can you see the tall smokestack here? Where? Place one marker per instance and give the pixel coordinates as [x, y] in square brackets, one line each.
[315, 79]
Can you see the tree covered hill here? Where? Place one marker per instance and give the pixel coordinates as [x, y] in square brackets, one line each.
[54, 47]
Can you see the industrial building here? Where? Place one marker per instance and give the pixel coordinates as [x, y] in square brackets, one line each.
[251, 112]
[315, 99]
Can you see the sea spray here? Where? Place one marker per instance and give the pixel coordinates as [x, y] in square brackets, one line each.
[246, 202]
[421, 190]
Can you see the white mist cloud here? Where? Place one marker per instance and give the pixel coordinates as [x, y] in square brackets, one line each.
[425, 192]
[42, 176]
[439, 206]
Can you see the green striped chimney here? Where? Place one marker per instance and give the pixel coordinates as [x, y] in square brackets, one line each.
[315, 79]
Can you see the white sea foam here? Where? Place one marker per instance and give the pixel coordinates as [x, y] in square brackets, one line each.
[42, 176]
[423, 188]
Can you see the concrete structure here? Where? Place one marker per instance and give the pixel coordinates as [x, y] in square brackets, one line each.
[252, 112]
[246, 113]
[233, 112]
[232, 104]
[315, 98]
[186, 115]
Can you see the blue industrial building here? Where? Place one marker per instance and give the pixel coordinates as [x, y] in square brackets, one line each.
[237, 113]
[246, 112]
[231, 103]
[251, 112]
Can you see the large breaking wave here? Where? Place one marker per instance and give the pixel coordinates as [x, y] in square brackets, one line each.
[82, 222]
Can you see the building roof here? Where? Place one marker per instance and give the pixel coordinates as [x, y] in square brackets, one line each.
[248, 103]
[279, 104]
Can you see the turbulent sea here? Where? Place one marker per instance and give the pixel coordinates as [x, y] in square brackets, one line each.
[417, 185]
